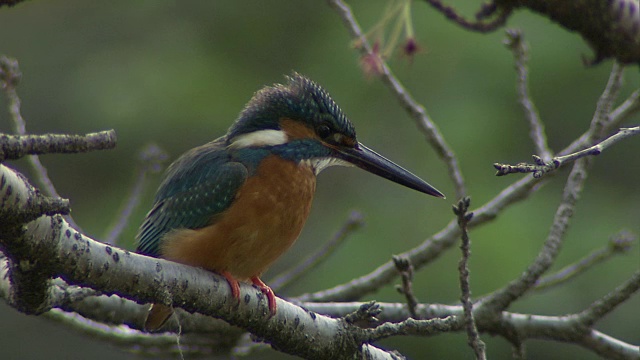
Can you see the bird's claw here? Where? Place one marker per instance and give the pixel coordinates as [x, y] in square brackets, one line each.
[266, 290]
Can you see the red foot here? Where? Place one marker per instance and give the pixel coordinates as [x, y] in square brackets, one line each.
[233, 283]
[271, 298]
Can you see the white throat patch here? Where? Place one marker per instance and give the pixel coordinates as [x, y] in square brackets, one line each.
[319, 164]
[259, 138]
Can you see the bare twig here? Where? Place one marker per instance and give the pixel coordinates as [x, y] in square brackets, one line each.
[501, 299]
[354, 222]
[403, 264]
[366, 313]
[461, 211]
[10, 76]
[430, 248]
[609, 302]
[520, 51]
[602, 115]
[479, 26]
[412, 327]
[417, 111]
[540, 168]
[618, 244]
[620, 114]
[627, 108]
[602, 121]
[14, 147]
[151, 158]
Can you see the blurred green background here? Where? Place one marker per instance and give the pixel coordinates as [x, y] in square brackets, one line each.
[177, 73]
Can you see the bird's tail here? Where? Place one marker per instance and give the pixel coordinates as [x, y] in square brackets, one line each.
[158, 315]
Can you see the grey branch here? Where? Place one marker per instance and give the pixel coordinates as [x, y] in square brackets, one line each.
[151, 158]
[520, 51]
[609, 302]
[14, 147]
[418, 112]
[403, 264]
[412, 326]
[540, 167]
[10, 76]
[461, 211]
[57, 250]
[503, 298]
[115, 310]
[618, 244]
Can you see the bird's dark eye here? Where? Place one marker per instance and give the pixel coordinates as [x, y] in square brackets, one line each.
[323, 131]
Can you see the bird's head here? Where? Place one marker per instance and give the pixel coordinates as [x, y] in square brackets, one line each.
[300, 122]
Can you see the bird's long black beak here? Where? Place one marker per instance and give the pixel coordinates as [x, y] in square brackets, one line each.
[369, 160]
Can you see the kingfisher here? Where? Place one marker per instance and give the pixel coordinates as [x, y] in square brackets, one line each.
[235, 204]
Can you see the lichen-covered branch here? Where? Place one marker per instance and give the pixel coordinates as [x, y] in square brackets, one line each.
[16, 146]
[24, 144]
[50, 248]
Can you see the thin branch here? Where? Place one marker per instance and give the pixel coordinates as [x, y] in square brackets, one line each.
[602, 115]
[473, 338]
[142, 343]
[14, 147]
[627, 108]
[417, 111]
[429, 250]
[527, 326]
[478, 26]
[520, 51]
[412, 327]
[353, 223]
[501, 299]
[618, 244]
[405, 268]
[609, 302]
[10, 76]
[150, 159]
[366, 313]
[540, 168]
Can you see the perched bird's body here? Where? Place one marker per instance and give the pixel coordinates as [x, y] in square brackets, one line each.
[234, 205]
[265, 218]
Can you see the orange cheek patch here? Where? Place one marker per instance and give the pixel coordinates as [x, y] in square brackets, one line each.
[347, 141]
[297, 130]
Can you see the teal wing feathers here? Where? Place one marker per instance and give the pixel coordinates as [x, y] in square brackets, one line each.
[199, 185]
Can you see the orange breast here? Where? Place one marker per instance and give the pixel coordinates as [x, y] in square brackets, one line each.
[263, 222]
